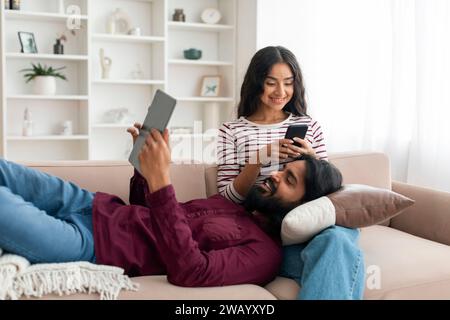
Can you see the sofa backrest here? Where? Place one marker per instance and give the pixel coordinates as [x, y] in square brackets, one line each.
[114, 176]
[370, 168]
[199, 180]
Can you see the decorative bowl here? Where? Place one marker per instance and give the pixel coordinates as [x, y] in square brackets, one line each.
[192, 54]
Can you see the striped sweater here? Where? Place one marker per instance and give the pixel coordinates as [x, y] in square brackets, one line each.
[241, 138]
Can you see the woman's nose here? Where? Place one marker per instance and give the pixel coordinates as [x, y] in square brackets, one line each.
[279, 89]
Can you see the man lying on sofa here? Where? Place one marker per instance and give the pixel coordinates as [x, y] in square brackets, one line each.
[205, 242]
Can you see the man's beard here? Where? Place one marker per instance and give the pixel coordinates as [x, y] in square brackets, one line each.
[269, 205]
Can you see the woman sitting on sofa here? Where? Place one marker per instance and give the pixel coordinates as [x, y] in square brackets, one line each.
[272, 99]
[205, 242]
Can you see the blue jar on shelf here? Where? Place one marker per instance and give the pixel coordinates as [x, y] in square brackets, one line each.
[192, 54]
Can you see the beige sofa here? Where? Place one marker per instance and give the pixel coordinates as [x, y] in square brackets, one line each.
[407, 259]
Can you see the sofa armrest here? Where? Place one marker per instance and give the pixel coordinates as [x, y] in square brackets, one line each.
[429, 217]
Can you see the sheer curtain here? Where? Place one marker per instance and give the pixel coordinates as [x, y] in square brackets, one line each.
[377, 76]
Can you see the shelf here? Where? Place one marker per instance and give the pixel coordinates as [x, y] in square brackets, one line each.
[200, 62]
[126, 38]
[41, 16]
[130, 82]
[205, 99]
[47, 138]
[112, 125]
[191, 136]
[86, 100]
[64, 57]
[42, 97]
[195, 26]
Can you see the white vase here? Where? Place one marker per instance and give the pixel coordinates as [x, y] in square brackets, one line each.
[44, 85]
[211, 116]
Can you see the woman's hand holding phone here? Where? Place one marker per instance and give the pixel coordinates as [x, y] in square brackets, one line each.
[306, 148]
[297, 133]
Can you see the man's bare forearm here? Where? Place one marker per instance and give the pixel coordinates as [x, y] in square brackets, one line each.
[245, 180]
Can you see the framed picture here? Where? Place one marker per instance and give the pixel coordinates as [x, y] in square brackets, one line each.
[27, 42]
[210, 86]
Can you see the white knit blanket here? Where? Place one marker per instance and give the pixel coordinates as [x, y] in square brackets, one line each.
[18, 278]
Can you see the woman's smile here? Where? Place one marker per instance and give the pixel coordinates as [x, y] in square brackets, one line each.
[278, 100]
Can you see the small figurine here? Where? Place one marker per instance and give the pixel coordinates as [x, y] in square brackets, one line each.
[106, 63]
[66, 128]
[137, 73]
[27, 123]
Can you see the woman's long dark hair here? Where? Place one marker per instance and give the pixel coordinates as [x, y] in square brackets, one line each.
[253, 85]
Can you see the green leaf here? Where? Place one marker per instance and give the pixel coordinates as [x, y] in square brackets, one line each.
[42, 70]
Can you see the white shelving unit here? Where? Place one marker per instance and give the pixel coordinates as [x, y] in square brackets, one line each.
[141, 64]
[59, 138]
[130, 82]
[195, 26]
[43, 97]
[145, 52]
[200, 63]
[127, 38]
[41, 16]
[54, 57]
[45, 19]
[218, 45]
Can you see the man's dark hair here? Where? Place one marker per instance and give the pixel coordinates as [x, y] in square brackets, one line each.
[321, 178]
[257, 72]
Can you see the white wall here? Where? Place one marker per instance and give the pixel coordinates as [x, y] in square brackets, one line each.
[345, 52]
[292, 24]
[278, 22]
[246, 38]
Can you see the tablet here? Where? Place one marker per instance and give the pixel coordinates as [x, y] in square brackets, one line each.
[158, 117]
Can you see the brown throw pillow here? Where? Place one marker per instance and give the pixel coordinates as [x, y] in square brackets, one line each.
[359, 205]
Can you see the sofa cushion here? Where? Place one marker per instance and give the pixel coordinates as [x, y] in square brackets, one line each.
[283, 288]
[158, 288]
[404, 266]
[410, 267]
[359, 205]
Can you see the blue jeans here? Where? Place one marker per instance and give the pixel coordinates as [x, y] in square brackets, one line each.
[328, 267]
[44, 218]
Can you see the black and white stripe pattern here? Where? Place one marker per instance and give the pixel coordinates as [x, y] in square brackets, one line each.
[241, 138]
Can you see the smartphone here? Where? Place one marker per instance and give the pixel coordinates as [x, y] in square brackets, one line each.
[296, 130]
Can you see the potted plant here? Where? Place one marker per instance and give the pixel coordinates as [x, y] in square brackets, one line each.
[44, 78]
